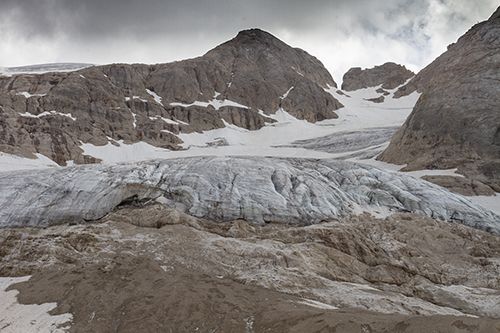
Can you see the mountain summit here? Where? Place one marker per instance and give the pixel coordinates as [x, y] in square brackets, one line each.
[242, 82]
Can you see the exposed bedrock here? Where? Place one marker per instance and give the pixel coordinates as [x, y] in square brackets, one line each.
[456, 121]
[388, 76]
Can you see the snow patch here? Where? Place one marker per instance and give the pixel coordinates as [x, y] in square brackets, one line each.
[489, 202]
[47, 113]
[155, 96]
[43, 68]
[168, 121]
[10, 162]
[285, 95]
[316, 304]
[134, 116]
[215, 103]
[31, 318]
[416, 173]
[110, 153]
[28, 95]
[136, 97]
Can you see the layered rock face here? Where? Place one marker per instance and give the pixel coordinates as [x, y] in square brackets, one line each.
[239, 82]
[223, 189]
[389, 75]
[456, 121]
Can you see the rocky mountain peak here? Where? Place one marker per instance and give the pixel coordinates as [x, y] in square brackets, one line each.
[390, 75]
[496, 15]
[256, 40]
[262, 52]
[242, 82]
[254, 34]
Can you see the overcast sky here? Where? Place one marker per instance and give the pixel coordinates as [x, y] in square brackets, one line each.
[341, 33]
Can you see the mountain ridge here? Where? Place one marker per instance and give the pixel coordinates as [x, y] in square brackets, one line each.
[54, 113]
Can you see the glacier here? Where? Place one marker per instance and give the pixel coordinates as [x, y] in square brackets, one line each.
[256, 189]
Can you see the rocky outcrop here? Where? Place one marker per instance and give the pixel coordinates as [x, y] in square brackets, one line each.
[258, 190]
[240, 82]
[456, 121]
[389, 75]
[405, 266]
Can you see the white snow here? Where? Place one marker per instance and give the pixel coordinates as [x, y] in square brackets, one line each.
[47, 113]
[136, 97]
[32, 318]
[43, 68]
[359, 113]
[286, 94]
[134, 123]
[356, 115]
[181, 122]
[417, 173]
[134, 152]
[142, 151]
[215, 103]
[489, 202]
[296, 71]
[168, 121]
[316, 304]
[28, 95]
[10, 162]
[155, 96]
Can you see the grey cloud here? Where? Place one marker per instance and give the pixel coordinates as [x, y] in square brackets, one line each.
[341, 33]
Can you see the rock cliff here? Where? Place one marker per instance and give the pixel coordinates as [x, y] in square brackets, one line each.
[456, 121]
[389, 75]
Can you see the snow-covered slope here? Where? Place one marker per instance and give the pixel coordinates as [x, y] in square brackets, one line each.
[358, 116]
[43, 68]
[227, 188]
[358, 121]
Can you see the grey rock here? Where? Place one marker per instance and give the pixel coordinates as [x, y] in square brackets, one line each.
[257, 190]
[218, 142]
[379, 99]
[382, 91]
[389, 75]
[456, 121]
